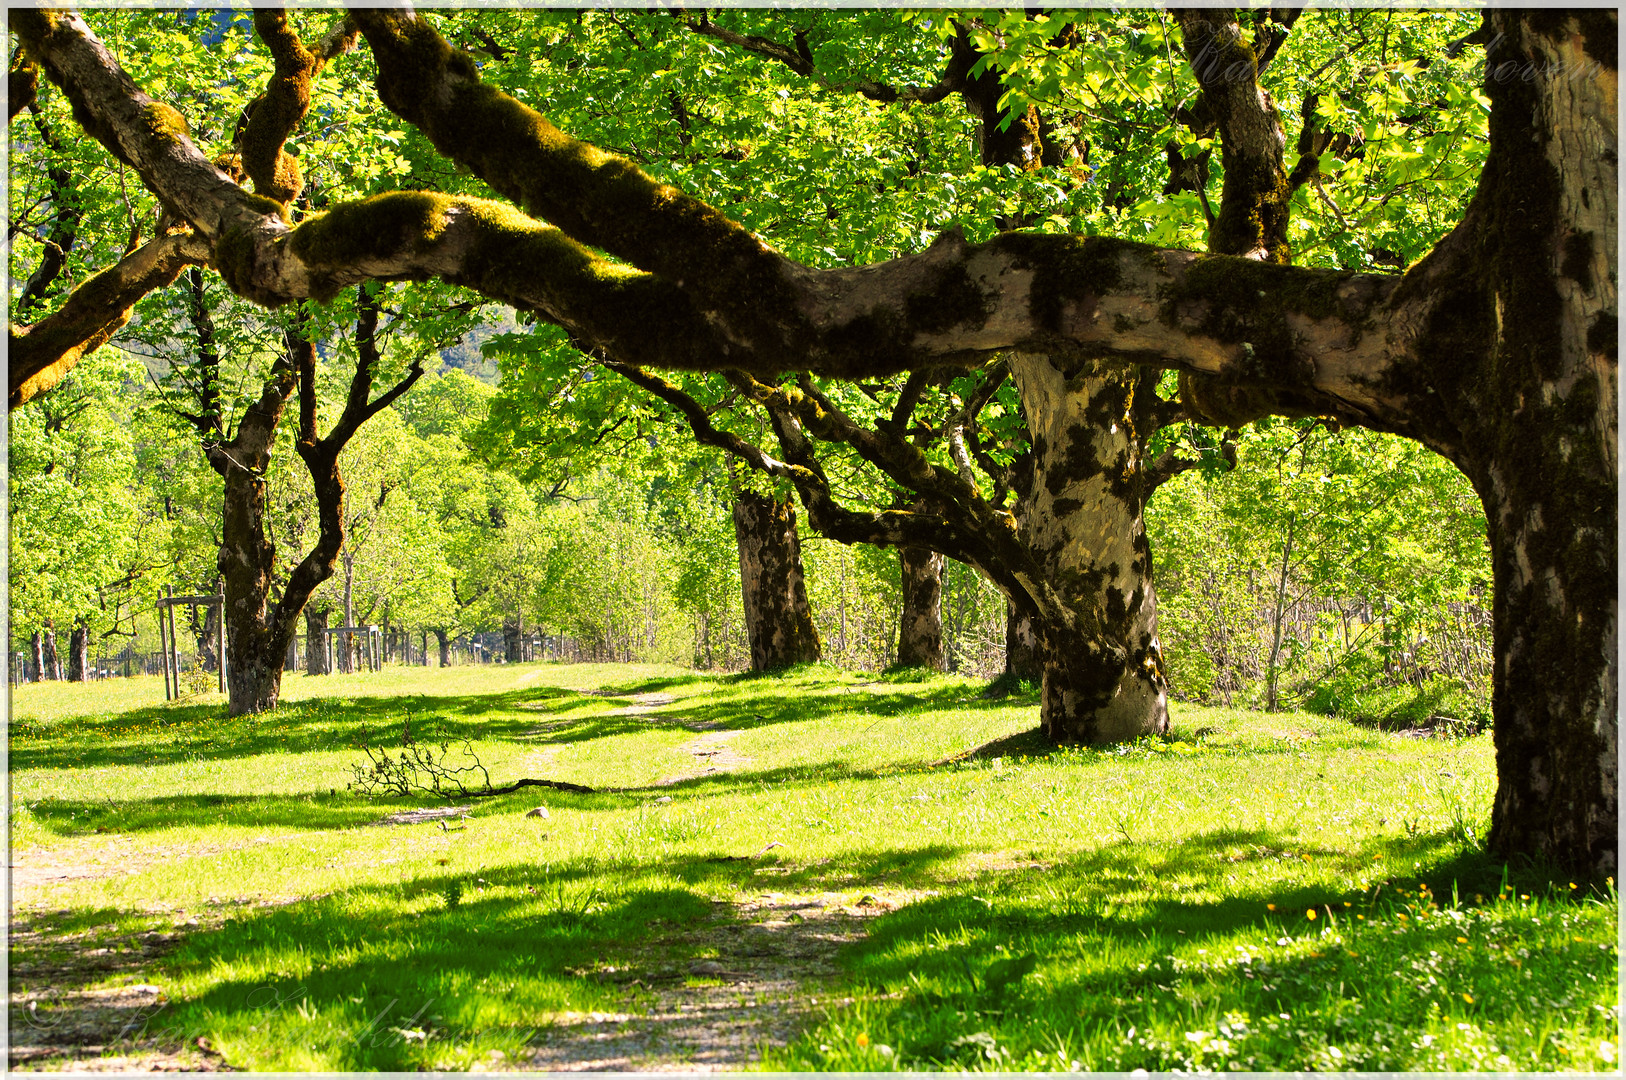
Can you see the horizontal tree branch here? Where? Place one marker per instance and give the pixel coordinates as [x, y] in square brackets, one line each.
[42, 354]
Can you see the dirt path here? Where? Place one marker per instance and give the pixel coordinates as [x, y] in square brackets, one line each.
[64, 1015]
[765, 974]
[774, 960]
[710, 751]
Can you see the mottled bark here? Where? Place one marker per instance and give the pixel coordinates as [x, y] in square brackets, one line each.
[920, 624]
[1534, 304]
[1024, 652]
[1253, 214]
[778, 620]
[445, 641]
[1103, 666]
[36, 656]
[79, 653]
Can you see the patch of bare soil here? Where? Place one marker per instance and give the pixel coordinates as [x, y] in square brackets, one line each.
[712, 752]
[645, 708]
[418, 817]
[643, 703]
[762, 978]
[80, 1002]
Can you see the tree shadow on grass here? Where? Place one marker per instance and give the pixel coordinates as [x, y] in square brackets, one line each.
[382, 976]
[166, 734]
[1122, 953]
[388, 976]
[337, 808]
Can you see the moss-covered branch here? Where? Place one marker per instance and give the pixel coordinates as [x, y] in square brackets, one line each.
[596, 198]
[42, 354]
[275, 114]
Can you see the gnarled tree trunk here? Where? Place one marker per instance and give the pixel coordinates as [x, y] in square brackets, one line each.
[920, 625]
[445, 641]
[1538, 300]
[247, 560]
[778, 620]
[1103, 667]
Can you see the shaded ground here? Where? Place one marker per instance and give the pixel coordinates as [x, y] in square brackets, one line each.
[762, 987]
[80, 1000]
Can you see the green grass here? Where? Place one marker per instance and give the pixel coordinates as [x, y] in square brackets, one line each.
[1163, 889]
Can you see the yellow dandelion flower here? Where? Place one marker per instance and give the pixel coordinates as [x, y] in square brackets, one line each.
[1310, 914]
[1270, 907]
[1469, 998]
[1462, 941]
[862, 1040]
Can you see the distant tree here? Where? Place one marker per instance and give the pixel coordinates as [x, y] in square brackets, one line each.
[73, 512]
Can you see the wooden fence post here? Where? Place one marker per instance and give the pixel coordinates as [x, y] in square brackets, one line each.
[220, 628]
[163, 647]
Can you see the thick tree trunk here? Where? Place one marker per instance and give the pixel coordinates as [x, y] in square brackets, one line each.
[1542, 443]
[247, 560]
[920, 625]
[36, 657]
[316, 639]
[445, 641]
[778, 620]
[513, 639]
[79, 653]
[1103, 667]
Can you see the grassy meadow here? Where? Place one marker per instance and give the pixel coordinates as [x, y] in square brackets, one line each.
[1259, 892]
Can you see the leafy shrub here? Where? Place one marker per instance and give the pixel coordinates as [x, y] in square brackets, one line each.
[1437, 703]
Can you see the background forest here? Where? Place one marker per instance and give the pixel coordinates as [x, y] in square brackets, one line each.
[521, 501]
[1284, 581]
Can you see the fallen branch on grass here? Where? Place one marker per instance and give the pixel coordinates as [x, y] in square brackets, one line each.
[417, 767]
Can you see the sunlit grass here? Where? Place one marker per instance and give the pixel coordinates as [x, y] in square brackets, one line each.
[1164, 889]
